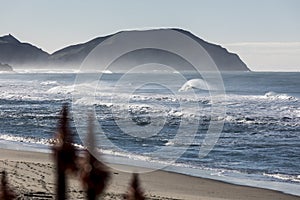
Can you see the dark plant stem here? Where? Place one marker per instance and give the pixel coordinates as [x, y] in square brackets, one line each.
[5, 192]
[64, 154]
[61, 185]
[91, 194]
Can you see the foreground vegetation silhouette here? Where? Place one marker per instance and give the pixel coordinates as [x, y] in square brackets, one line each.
[64, 154]
[88, 168]
[6, 193]
[135, 192]
[94, 173]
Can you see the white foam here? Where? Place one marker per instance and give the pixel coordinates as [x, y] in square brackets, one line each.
[294, 178]
[49, 83]
[107, 72]
[7, 72]
[61, 90]
[31, 140]
[48, 71]
[170, 143]
[28, 139]
[276, 96]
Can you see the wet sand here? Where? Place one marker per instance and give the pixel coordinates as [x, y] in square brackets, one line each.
[31, 175]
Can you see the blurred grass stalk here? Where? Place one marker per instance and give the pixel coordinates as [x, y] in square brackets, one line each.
[135, 191]
[94, 174]
[6, 193]
[64, 154]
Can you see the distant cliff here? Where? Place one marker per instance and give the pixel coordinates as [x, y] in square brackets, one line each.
[225, 60]
[19, 54]
[16, 53]
[5, 67]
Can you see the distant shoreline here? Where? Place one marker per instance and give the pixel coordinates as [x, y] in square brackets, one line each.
[75, 71]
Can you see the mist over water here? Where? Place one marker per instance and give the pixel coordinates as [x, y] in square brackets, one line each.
[260, 140]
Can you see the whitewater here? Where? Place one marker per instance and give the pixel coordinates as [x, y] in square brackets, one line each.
[259, 144]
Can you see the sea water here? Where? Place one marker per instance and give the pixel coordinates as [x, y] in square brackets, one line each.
[259, 144]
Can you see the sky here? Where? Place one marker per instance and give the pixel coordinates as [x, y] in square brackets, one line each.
[264, 33]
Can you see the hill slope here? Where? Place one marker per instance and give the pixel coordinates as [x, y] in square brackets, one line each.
[16, 53]
[19, 54]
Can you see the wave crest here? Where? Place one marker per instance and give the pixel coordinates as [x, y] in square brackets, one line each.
[275, 96]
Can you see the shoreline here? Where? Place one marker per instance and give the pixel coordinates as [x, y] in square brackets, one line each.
[37, 168]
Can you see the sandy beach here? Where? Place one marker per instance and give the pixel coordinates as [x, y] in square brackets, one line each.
[31, 175]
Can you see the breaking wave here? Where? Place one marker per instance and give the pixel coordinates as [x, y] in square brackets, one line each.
[194, 84]
[284, 177]
[275, 96]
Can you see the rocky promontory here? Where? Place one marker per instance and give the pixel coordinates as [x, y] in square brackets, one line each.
[6, 67]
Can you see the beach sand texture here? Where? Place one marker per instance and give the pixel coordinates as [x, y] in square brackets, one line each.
[31, 175]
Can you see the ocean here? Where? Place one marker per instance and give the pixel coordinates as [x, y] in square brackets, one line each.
[164, 125]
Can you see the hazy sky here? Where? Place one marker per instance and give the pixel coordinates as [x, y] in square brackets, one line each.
[265, 33]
